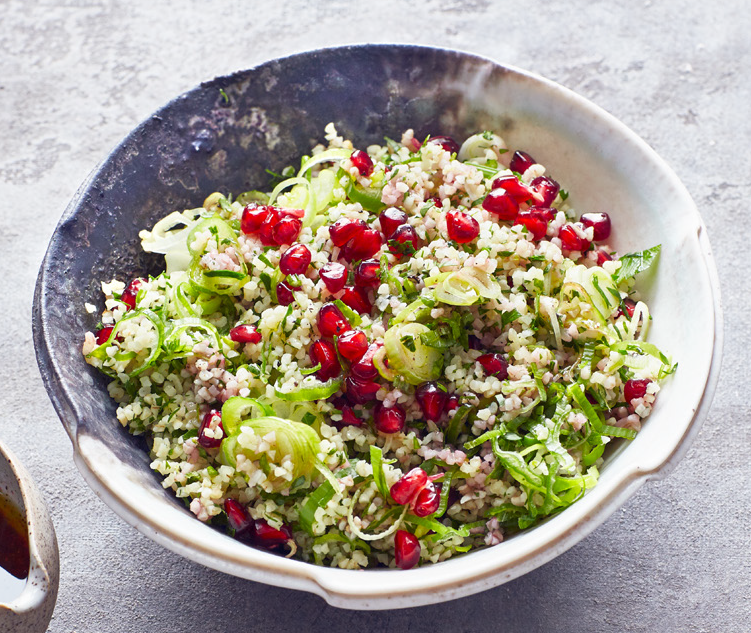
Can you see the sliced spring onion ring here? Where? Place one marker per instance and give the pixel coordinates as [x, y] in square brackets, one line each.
[409, 357]
[311, 389]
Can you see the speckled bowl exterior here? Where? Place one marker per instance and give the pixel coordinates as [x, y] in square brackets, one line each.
[31, 611]
[272, 114]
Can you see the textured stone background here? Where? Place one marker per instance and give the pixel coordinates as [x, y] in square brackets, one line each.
[76, 76]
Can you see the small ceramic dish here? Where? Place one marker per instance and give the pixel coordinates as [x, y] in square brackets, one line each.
[223, 134]
[30, 611]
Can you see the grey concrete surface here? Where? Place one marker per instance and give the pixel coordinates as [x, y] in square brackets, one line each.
[77, 75]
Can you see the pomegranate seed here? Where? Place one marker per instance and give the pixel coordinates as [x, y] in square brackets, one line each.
[600, 222]
[536, 223]
[284, 294]
[357, 299]
[521, 162]
[389, 420]
[324, 353]
[635, 388]
[103, 335]
[342, 231]
[364, 369]
[212, 420]
[238, 518]
[545, 190]
[406, 549]
[269, 537]
[404, 241]
[331, 321]
[363, 245]
[253, 217]
[502, 203]
[432, 399]
[266, 230]
[630, 306]
[368, 273]
[131, 292]
[360, 391]
[571, 240]
[334, 275]
[603, 256]
[510, 183]
[295, 260]
[352, 344]
[349, 418]
[390, 220]
[446, 142]
[462, 228]
[426, 501]
[287, 230]
[437, 202]
[452, 403]
[245, 334]
[494, 365]
[362, 161]
[408, 486]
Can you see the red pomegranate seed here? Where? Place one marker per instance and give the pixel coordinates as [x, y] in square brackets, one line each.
[389, 420]
[103, 335]
[284, 293]
[536, 222]
[364, 369]
[452, 403]
[462, 228]
[406, 549]
[324, 353]
[502, 203]
[295, 260]
[343, 230]
[635, 388]
[437, 202]
[287, 230]
[237, 517]
[426, 501]
[368, 273]
[357, 299]
[432, 398]
[521, 162]
[600, 222]
[408, 486]
[266, 230]
[363, 245]
[390, 220]
[349, 417]
[212, 420]
[253, 217]
[362, 162]
[331, 321]
[630, 306]
[494, 365]
[334, 275]
[517, 189]
[404, 241]
[603, 256]
[352, 344]
[245, 334]
[571, 240]
[269, 537]
[446, 142]
[131, 292]
[545, 190]
[360, 391]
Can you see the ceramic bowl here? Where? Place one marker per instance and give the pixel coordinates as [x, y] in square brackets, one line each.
[202, 142]
[31, 611]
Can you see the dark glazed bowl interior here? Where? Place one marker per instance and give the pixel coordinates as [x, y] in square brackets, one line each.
[223, 136]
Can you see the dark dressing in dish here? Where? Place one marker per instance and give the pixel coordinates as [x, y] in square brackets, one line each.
[14, 551]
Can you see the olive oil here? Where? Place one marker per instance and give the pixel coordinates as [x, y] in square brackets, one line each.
[14, 551]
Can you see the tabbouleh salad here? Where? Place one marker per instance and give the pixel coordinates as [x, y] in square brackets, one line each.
[395, 356]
